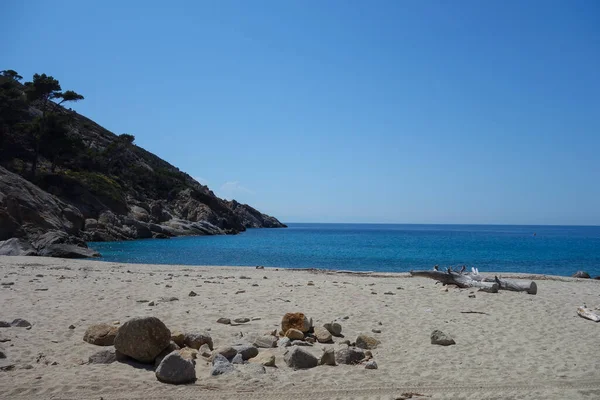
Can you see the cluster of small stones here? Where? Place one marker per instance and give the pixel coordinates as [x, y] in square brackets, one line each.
[173, 353]
[297, 330]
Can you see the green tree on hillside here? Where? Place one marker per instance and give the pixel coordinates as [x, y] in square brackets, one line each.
[13, 109]
[43, 91]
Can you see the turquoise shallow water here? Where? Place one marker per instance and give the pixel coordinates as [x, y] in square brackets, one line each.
[556, 250]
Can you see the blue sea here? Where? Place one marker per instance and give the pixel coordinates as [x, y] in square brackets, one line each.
[556, 250]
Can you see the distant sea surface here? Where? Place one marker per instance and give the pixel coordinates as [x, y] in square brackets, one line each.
[555, 250]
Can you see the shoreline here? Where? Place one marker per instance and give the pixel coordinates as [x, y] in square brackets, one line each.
[372, 273]
[508, 345]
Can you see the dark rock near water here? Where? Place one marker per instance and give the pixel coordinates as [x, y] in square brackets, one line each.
[17, 247]
[252, 218]
[581, 274]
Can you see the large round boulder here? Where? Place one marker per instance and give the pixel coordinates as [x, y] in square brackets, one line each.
[143, 338]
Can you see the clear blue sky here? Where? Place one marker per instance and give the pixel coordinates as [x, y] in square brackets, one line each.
[343, 111]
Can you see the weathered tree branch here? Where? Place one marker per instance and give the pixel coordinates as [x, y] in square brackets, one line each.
[458, 279]
[474, 279]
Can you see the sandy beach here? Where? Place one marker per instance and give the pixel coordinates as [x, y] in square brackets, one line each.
[508, 345]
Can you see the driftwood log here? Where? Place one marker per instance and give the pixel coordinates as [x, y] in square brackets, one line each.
[586, 313]
[458, 279]
[475, 280]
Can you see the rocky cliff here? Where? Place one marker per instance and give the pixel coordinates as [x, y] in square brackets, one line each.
[93, 185]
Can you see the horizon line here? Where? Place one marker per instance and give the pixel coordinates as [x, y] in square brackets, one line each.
[431, 223]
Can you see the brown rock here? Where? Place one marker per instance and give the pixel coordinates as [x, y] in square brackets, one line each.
[367, 342]
[226, 351]
[294, 334]
[178, 337]
[297, 321]
[266, 359]
[195, 340]
[101, 334]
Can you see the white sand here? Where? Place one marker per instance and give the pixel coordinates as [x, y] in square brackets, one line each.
[527, 347]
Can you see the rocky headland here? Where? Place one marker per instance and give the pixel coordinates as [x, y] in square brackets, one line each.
[65, 181]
